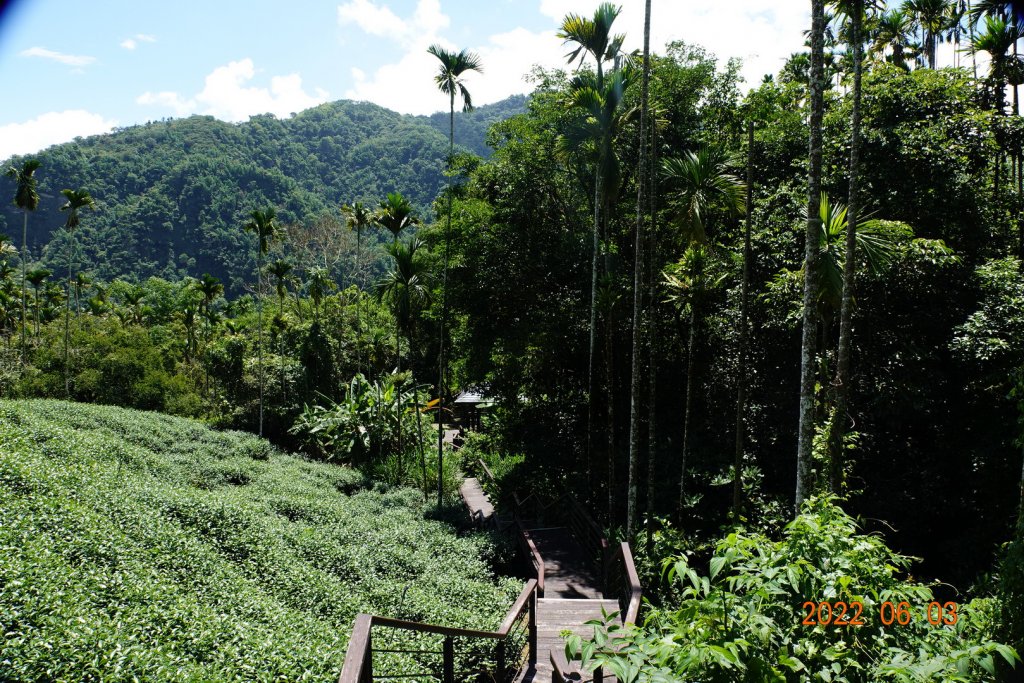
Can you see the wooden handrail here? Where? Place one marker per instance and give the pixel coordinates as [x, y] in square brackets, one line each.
[358, 666]
[633, 581]
[535, 557]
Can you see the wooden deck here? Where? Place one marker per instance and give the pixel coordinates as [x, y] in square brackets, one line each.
[572, 591]
[477, 504]
[555, 615]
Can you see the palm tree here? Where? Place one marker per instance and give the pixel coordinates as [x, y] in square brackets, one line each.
[741, 374]
[395, 214]
[320, 285]
[264, 225]
[933, 18]
[27, 199]
[997, 37]
[36, 278]
[280, 269]
[855, 10]
[705, 187]
[805, 430]
[593, 37]
[449, 81]
[893, 31]
[358, 217]
[638, 282]
[406, 286]
[76, 201]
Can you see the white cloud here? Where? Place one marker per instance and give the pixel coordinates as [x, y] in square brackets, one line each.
[70, 60]
[226, 95]
[763, 33]
[133, 42]
[50, 129]
[408, 85]
[168, 100]
[379, 20]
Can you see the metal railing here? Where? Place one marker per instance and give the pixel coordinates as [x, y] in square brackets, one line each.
[420, 658]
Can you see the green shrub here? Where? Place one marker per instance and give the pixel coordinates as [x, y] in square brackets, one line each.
[744, 619]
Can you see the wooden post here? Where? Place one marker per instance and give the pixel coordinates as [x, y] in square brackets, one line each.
[449, 660]
[368, 662]
[532, 626]
[501, 660]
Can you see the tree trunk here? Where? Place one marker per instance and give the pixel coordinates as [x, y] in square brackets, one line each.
[638, 284]
[24, 287]
[688, 410]
[811, 253]
[67, 315]
[444, 302]
[841, 383]
[593, 323]
[609, 400]
[741, 375]
[259, 305]
[359, 300]
[653, 267]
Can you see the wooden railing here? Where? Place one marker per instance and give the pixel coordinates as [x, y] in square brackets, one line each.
[516, 646]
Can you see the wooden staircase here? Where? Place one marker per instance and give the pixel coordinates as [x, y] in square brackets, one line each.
[577, 577]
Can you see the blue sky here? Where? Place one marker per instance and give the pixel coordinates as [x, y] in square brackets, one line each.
[69, 67]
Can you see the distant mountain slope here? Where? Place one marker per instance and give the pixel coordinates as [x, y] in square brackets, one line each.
[172, 195]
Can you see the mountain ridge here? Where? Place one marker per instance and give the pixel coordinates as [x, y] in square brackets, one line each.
[172, 195]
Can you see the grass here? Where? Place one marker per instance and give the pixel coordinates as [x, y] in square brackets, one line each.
[138, 546]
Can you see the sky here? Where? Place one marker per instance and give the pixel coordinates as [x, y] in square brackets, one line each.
[71, 68]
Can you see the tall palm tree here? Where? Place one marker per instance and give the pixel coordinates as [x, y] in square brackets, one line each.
[741, 374]
[590, 139]
[593, 37]
[997, 36]
[704, 187]
[449, 81]
[358, 217]
[855, 10]
[280, 269]
[805, 429]
[264, 225]
[638, 283]
[893, 32]
[27, 199]
[36, 278]
[395, 214]
[406, 286]
[76, 201]
[933, 18]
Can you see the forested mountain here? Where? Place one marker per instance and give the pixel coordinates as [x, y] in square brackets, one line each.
[172, 195]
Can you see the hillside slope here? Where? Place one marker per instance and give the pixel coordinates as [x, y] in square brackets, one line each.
[172, 196]
[140, 545]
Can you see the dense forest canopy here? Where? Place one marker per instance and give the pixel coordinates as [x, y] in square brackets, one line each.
[172, 192]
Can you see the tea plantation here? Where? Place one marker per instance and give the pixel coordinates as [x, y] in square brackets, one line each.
[138, 546]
